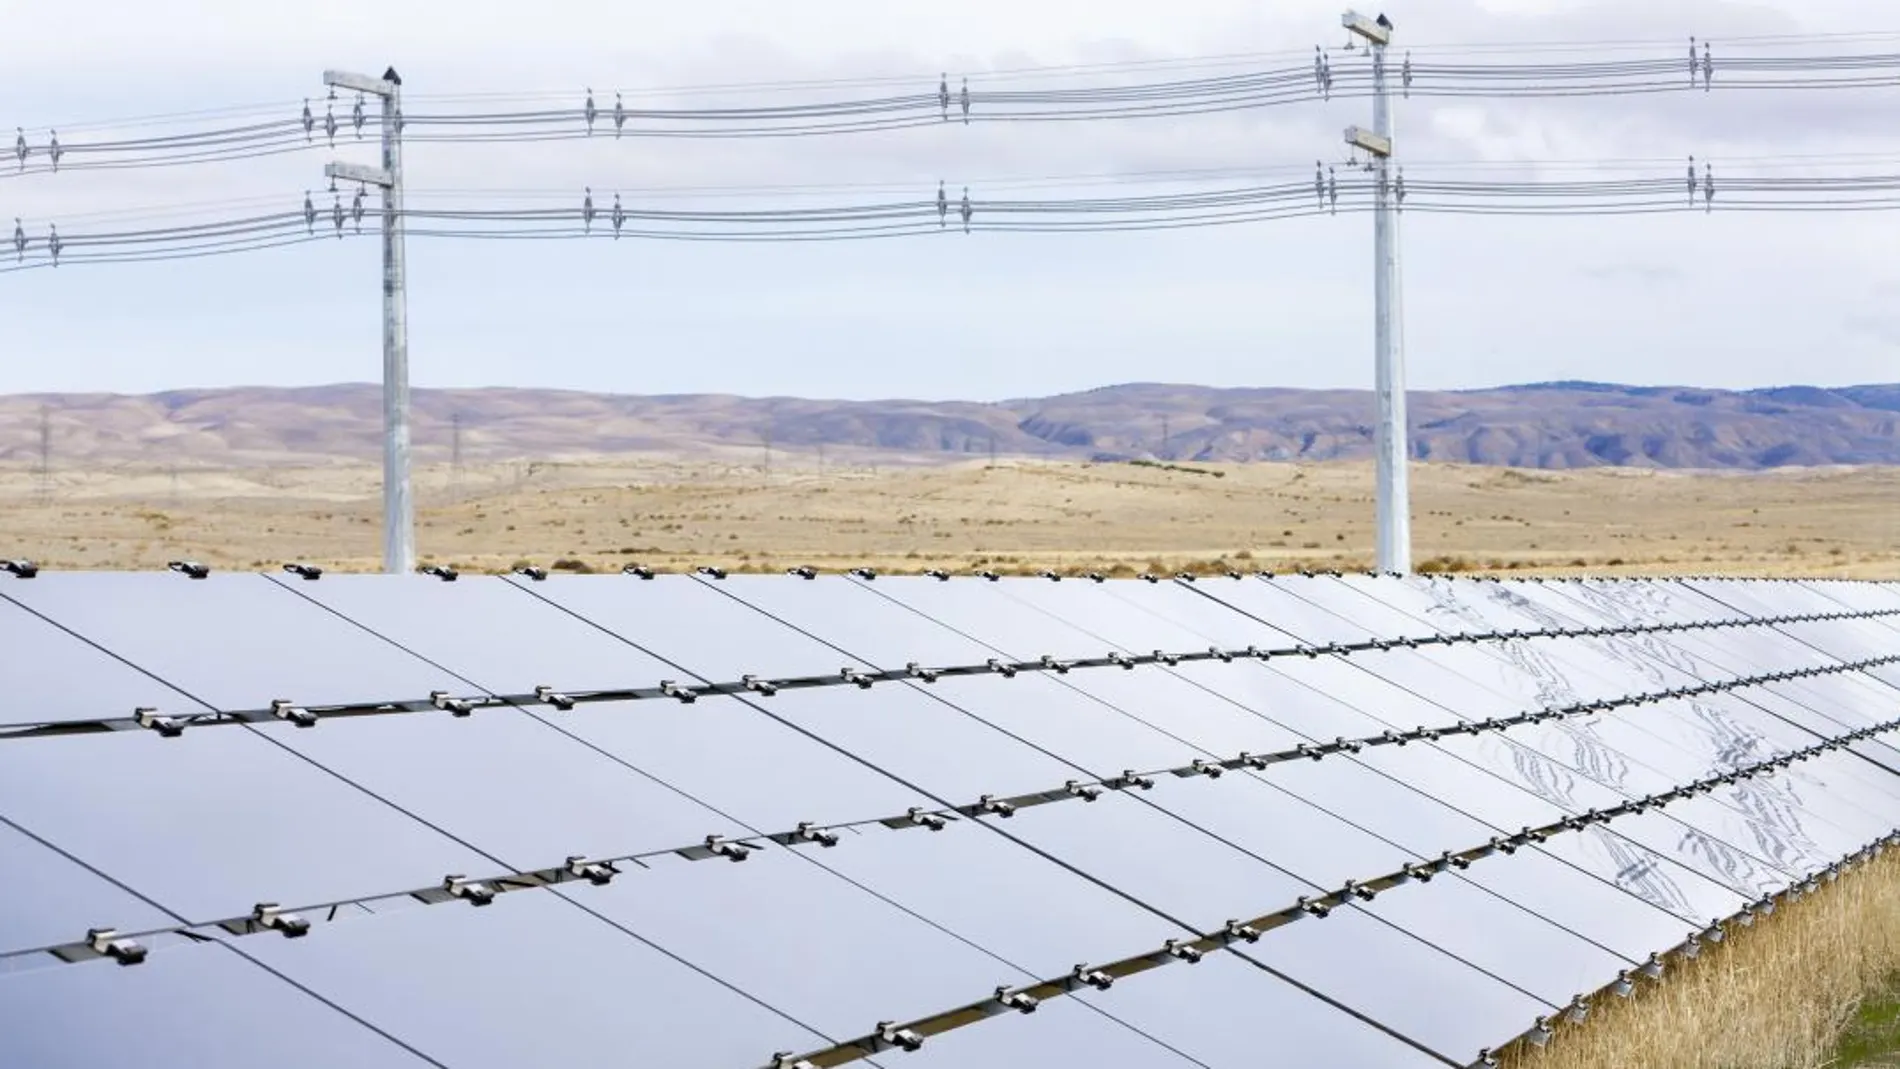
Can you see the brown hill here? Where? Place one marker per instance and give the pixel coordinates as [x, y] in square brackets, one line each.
[1546, 425]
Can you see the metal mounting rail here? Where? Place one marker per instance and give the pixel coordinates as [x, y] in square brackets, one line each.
[600, 870]
[910, 1035]
[305, 715]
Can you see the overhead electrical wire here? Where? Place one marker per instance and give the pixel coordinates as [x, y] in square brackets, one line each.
[540, 215]
[793, 110]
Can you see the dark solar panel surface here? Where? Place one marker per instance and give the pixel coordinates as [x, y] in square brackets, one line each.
[763, 821]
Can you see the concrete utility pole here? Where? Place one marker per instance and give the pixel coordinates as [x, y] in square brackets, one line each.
[1391, 435]
[399, 510]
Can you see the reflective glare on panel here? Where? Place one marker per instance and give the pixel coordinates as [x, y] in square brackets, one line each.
[1193, 606]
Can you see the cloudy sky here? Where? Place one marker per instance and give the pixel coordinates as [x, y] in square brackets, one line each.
[1736, 300]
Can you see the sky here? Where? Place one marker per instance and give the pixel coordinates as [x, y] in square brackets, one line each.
[1736, 300]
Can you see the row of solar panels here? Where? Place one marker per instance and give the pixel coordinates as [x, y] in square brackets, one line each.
[1364, 821]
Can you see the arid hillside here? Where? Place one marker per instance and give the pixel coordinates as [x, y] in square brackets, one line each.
[1551, 426]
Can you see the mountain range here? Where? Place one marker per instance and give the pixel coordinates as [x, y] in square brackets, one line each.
[1539, 425]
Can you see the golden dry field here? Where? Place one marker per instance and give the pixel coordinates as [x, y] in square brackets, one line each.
[1012, 517]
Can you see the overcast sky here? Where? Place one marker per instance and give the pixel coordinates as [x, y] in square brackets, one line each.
[1738, 300]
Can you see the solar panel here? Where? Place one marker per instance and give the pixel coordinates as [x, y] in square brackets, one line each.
[59, 677]
[752, 762]
[513, 982]
[103, 1018]
[228, 641]
[751, 821]
[1214, 1011]
[210, 823]
[51, 898]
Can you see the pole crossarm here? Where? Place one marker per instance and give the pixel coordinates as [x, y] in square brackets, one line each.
[356, 172]
[1360, 137]
[362, 83]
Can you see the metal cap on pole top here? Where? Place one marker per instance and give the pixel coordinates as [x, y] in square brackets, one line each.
[1391, 436]
[399, 519]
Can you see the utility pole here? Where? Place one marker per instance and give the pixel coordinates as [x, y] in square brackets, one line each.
[1391, 437]
[399, 509]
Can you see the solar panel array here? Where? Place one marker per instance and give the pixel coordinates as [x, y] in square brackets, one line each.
[793, 821]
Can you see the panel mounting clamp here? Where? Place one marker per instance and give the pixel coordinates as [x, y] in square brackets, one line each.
[168, 726]
[267, 915]
[19, 569]
[549, 696]
[285, 709]
[474, 892]
[1184, 950]
[989, 803]
[458, 707]
[106, 943]
[190, 569]
[440, 571]
[1020, 1001]
[763, 688]
[304, 571]
[718, 846]
[916, 815]
[598, 873]
[809, 832]
[888, 1032]
[1094, 978]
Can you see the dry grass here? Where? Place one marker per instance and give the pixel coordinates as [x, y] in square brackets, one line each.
[1018, 517]
[1810, 986]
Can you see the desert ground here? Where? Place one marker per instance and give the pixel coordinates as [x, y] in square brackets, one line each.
[1011, 516]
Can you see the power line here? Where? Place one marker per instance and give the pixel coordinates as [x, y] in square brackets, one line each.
[1700, 189]
[991, 100]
